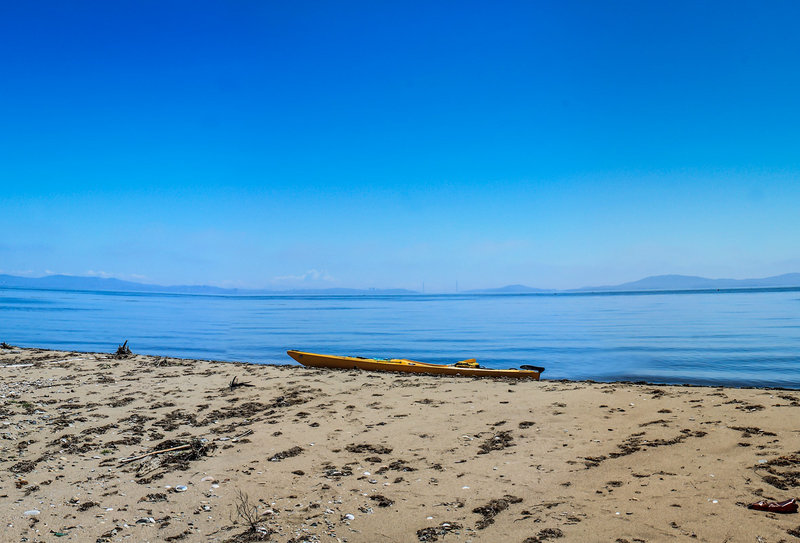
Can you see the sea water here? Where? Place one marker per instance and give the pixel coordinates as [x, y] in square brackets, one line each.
[720, 338]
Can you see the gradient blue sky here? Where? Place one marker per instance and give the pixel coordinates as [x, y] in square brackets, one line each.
[376, 144]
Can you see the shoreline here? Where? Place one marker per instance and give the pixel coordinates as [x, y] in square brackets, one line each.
[327, 455]
[293, 364]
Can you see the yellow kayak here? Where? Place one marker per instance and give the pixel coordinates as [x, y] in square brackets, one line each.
[465, 367]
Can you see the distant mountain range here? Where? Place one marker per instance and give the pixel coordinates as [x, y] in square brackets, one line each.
[653, 283]
[661, 283]
[690, 282]
[74, 282]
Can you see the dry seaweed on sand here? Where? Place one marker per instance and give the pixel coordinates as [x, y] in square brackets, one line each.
[294, 451]
[23, 466]
[782, 472]
[544, 535]
[366, 447]
[637, 442]
[750, 431]
[497, 442]
[397, 465]
[381, 501]
[432, 533]
[491, 509]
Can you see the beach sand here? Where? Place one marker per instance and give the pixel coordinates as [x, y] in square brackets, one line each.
[319, 455]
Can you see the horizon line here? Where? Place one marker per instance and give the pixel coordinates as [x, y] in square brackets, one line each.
[511, 289]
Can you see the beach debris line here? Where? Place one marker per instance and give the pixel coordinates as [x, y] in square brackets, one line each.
[123, 351]
[788, 506]
[5, 345]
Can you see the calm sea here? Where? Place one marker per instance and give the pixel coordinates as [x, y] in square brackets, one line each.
[739, 338]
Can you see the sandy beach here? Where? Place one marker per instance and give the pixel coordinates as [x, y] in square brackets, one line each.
[314, 455]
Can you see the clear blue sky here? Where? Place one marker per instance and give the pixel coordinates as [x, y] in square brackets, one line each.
[376, 144]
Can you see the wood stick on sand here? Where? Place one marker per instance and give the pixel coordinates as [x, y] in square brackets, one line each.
[131, 459]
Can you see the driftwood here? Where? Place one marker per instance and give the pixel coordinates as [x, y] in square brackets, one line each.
[133, 458]
[123, 350]
[234, 384]
[245, 433]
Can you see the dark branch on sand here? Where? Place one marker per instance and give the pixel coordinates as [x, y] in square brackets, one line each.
[233, 384]
[123, 350]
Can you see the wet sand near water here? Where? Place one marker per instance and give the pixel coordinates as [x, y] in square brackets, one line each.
[319, 455]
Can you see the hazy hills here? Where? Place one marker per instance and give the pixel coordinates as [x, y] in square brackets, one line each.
[72, 282]
[690, 282]
[653, 283]
[663, 283]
